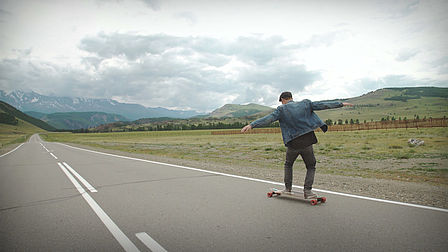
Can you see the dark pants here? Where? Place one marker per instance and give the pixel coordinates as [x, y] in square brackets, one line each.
[307, 154]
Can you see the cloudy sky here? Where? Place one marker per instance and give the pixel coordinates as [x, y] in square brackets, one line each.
[202, 54]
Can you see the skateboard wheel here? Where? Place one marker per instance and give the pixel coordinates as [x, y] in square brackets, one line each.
[269, 194]
[324, 199]
[313, 202]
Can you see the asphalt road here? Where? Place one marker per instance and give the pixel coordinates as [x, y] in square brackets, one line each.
[137, 205]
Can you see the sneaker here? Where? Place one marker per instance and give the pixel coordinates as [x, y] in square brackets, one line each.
[285, 191]
[308, 194]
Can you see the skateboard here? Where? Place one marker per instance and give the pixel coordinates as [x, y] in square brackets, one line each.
[295, 195]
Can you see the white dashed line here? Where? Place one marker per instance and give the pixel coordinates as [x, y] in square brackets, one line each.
[44, 147]
[108, 222]
[86, 184]
[150, 242]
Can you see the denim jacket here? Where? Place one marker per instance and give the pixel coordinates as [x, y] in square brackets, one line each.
[297, 118]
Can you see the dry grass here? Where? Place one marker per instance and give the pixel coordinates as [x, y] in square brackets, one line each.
[371, 154]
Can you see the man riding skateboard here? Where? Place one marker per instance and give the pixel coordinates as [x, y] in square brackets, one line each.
[298, 122]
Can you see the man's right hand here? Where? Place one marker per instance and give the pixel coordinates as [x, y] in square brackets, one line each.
[246, 128]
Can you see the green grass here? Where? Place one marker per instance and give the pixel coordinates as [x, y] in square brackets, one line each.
[267, 150]
[384, 144]
[435, 107]
[14, 134]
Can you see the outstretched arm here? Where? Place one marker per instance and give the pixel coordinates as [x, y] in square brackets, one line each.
[329, 105]
[262, 121]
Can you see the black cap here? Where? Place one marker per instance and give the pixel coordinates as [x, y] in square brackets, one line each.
[285, 95]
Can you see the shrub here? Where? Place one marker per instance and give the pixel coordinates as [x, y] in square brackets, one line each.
[8, 119]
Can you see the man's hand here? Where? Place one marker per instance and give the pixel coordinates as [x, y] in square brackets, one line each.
[246, 128]
[347, 104]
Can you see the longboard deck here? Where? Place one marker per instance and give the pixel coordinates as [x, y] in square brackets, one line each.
[295, 195]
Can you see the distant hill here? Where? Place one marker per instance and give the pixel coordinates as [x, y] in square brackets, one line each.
[388, 103]
[32, 101]
[236, 110]
[382, 104]
[9, 113]
[77, 120]
[393, 103]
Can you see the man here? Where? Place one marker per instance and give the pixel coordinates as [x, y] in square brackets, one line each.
[298, 122]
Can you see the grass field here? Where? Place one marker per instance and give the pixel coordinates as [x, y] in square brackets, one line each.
[13, 134]
[371, 154]
[373, 109]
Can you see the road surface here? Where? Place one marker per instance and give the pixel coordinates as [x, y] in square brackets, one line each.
[54, 197]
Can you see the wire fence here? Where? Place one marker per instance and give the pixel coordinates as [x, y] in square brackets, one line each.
[396, 124]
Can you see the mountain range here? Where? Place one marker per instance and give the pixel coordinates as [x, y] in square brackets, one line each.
[77, 120]
[9, 115]
[236, 110]
[32, 101]
[382, 104]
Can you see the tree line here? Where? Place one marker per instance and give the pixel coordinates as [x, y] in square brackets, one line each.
[383, 119]
[204, 125]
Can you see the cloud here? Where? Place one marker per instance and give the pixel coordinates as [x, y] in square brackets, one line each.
[327, 39]
[278, 77]
[153, 4]
[188, 16]
[4, 15]
[187, 72]
[441, 65]
[393, 81]
[128, 45]
[406, 54]
[400, 9]
[253, 49]
[200, 73]
[43, 77]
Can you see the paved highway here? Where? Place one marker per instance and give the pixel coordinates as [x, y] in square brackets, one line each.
[54, 197]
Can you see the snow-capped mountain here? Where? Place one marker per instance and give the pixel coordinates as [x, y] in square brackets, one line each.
[32, 101]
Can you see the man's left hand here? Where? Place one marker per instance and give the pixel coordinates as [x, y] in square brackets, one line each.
[246, 128]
